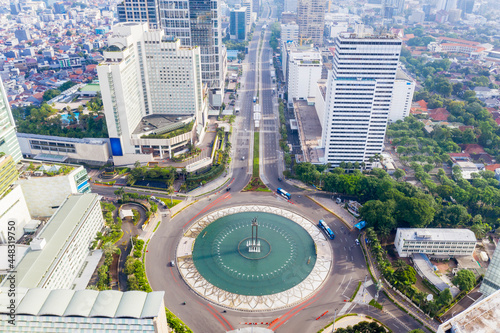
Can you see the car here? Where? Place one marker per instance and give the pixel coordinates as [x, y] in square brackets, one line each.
[172, 263]
[242, 158]
[357, 241]
[228, 189]
[279, 179]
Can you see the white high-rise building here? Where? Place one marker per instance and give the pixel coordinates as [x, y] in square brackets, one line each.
[145, 74]
[358, 98]
[304, 71]
[290, 32]
[402, 97]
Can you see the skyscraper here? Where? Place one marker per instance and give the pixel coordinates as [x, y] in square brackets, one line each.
[144, 74]
[139, 11]
[311, 20]
[8, 140]
[358, 97]
[205, 31]
[491, 281]
[237, 23]
[193, 22]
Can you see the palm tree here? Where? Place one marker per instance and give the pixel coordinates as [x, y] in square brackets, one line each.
[109, 248]
[399, 265]
[170, 191]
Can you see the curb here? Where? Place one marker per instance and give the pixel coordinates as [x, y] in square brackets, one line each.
[331, 212]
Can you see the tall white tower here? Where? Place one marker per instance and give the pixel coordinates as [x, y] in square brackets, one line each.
[358, 97]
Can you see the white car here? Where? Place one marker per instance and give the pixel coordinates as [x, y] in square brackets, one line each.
[357, 241]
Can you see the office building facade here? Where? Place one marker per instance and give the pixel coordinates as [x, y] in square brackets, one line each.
[237, 23]
[139, 11]
[311, 20]
[359, 96]
[290, 32]
[8, 140]
[491, 281]
[194, 22]
[304, 71]
[404, 87]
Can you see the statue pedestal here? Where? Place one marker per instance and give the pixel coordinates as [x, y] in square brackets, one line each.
[253, 246]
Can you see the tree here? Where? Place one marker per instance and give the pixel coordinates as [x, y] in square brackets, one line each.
[444, 297]
[399, 173]
[171, 191]
[363, 327]
[51, 93]
[417, 212]
[137, 164]
[120, 192]
[380, 215]
[464, 279]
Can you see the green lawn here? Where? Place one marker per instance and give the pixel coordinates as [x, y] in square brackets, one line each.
[166, 201]
[256, 154]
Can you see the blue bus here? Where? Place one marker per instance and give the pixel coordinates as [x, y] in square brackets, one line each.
[326, 229]
[283, 193]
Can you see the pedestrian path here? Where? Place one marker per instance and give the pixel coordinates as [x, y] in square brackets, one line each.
[408, 306]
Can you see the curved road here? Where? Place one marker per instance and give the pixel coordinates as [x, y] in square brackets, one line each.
[348, 261]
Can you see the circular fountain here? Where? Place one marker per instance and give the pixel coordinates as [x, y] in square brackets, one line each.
[261, 259]
[267, 256]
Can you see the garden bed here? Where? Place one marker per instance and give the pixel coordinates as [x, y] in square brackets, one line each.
[257, 185]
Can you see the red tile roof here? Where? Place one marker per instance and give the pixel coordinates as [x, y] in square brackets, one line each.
[492, 167]
[474, 148]
[439, 114]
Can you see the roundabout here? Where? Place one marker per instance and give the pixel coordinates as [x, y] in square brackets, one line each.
[254, 258]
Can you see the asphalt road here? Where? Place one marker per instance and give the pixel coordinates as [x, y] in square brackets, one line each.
[348, 262]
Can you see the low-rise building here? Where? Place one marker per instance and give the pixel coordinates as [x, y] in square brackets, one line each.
[467, 168]
[13, 209]
[56, 255]
[46, 185]
[40, 310]
[435, 242]
[60, 149]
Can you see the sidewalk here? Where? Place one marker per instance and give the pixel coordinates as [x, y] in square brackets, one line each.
[394, 296]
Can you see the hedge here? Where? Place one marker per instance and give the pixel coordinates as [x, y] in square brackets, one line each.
[176, 324]
[356, 291]
[375, 304]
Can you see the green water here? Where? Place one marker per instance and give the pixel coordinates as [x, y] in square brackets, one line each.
[287, 254]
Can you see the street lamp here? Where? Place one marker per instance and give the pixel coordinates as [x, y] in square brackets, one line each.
[334, 317]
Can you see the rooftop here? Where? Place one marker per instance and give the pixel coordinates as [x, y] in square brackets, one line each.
[309, 128]
[89, 141]
[86, 303]
[481, 317]
[33, 267]
[161, 123]
[437, 234]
